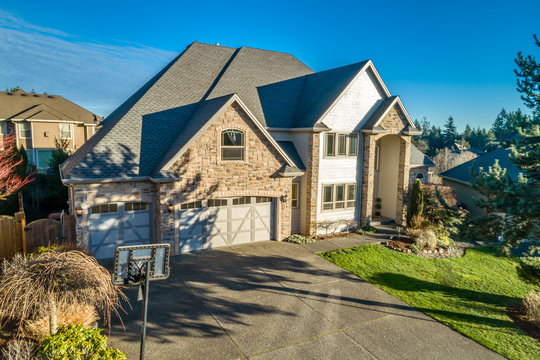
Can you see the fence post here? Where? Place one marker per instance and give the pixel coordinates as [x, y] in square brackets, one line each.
[23, 222]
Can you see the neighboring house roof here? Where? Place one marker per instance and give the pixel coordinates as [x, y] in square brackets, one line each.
[20, 105]
[462, 173]
[419, 159]
[142, 136]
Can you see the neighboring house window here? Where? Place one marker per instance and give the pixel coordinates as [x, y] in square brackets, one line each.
[353, 145]
[30, 156]
[294, 195]
[66, 131]
[420, 177]
[232, 145]
[344, 145]
[25, 130]
[3, 128]
[330, 144]
[338, 196]
[43, 158]
[377, 156]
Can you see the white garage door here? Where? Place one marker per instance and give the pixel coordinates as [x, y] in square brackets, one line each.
[116, 224]
[226, 221]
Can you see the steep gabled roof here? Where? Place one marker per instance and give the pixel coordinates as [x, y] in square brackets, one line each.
[20, 105]
[419, 159]
[384, 107]
[462, 173]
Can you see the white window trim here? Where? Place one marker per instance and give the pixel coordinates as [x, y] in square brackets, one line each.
[36, 158]
[297, 195]
[243, 147]
[336, 144]
[21, 130]
[3, 128]
[345, 200]
[70, 131]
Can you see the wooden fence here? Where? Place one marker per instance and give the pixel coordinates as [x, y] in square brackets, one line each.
[16, 237]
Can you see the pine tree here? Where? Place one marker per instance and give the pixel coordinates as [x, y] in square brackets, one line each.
[499, 125]
[450, 132]
[467, 133]
[519, 200]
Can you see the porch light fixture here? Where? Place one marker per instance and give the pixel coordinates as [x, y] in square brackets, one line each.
[78, 211]
[170, 207]
[284, 198]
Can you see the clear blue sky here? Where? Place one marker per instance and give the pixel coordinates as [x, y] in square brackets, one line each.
[443, 58]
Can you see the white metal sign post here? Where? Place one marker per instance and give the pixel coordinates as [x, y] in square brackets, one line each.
[138, 265]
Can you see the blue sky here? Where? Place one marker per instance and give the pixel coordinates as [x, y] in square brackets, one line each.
[443, 58]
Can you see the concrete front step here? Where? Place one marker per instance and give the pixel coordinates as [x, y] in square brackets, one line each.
[379, 220]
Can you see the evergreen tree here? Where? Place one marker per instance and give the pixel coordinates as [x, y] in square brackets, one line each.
[416, 206]
[519, 201]
[499, 125]
[450, 132]
[467, 133]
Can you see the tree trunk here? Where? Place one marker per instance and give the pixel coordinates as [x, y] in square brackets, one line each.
[53, 321]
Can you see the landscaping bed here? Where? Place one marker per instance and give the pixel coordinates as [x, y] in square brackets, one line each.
[404, 245]
[470, 294]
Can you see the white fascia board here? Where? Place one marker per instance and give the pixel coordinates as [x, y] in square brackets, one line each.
[405, 112]
[397, 100]
[381, 82]
[50, 121]
[201, 131]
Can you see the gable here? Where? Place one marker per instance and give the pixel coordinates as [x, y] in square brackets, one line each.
[394, 121]
[355, 102]
[202, 155]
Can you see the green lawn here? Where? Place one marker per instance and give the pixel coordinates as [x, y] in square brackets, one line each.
[469, 294]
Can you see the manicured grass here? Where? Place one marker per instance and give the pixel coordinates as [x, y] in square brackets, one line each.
[469, 294]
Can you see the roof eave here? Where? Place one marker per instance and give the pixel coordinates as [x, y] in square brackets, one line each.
[374, 131]
[119, 179]
[456, 180]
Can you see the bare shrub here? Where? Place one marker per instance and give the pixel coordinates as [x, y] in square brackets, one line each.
[67, 314]
[37, 287]
[532, 307]
[325, 225]
[417, 221]
[19, 350]
[426, 239]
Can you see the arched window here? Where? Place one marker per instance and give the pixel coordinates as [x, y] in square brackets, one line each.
[232, 145]
[420, 177]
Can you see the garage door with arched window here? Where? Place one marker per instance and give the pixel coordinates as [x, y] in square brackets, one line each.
[116, 224]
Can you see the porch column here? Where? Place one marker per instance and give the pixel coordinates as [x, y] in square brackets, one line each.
[368, 177]
[312, 181]
[403, 178]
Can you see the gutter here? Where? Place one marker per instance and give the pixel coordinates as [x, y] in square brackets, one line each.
[306, 129]
[118, 179]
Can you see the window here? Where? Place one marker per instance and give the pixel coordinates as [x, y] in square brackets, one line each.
[25, 130]
[217, 202]
[3, 128]
[420, 177]
[191, 205]
[263, 199]
[294, 195]
[107, 208]
[339, 196]
[345, 145]
[329, 149]
[232, 145]
[43, 158]
[30, 156]
[353, 145]
[66, 131]
[135, 206]
[242, 200]
[351, 195]
[377, 156]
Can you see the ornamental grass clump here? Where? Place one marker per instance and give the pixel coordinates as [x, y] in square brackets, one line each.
[532, 307]
[42, 286]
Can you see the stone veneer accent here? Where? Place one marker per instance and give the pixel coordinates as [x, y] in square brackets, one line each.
[206, 176]
[394, 121]
[312, 181]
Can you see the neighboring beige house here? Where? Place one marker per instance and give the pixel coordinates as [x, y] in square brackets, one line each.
[232, 145]
[460, 178]
[421, 167]
[37, 119]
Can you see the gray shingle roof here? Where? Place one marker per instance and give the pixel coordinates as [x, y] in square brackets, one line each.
[462, 172]
[290, 149]
[419, 159]
[374, 118]
[147, 130]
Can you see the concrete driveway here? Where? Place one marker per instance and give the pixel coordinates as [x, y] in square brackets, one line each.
[274, 300]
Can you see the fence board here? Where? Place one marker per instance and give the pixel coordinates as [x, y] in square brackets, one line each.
[10, 236]
[42, 232]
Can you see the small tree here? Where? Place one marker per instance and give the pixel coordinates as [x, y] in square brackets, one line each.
[416, 205]
[11, 180]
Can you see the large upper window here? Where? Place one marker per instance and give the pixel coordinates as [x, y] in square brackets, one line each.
[25, 130]
[43, 158]
[66, 131]
[340, 144]
[338, 196]
[232, 145]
